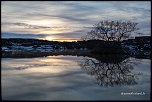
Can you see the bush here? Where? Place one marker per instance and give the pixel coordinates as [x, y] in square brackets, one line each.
[111, 47]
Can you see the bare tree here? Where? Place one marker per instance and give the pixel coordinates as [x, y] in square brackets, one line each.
[112, 30]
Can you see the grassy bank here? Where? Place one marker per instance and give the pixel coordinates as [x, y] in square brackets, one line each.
[30, 54]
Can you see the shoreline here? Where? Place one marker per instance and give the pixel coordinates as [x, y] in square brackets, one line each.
[36, 53]
[31, 54]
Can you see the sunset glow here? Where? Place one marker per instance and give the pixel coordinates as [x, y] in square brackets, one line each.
[41, 22]
[49, 38]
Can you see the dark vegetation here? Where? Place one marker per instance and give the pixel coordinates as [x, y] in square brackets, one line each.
[35, 42]
[139, 46]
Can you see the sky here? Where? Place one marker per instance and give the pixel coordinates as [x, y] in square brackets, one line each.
[68, 20]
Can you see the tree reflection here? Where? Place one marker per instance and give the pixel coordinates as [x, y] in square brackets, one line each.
[111, 74]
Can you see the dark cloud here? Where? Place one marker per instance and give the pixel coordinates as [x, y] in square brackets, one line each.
[15, 35]
[134, 7]
[24, 25]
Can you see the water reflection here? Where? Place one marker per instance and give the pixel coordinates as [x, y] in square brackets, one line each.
[61, 78]
[112, 73]
[24, 67]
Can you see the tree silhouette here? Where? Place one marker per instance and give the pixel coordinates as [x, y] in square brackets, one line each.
[111, 30]
[111, 74]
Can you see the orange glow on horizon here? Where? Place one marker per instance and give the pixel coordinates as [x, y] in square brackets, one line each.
[66, 40]
[50, 38]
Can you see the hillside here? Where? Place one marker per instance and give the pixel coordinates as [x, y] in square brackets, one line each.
[138, 46]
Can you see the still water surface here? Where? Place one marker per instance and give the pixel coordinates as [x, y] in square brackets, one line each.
[74, 78]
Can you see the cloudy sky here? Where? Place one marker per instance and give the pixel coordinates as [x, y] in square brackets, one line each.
[68, 20]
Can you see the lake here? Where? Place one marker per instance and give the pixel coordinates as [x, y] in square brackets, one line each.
[75, 78]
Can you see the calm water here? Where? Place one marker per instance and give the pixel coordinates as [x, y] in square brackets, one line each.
[74, 78]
